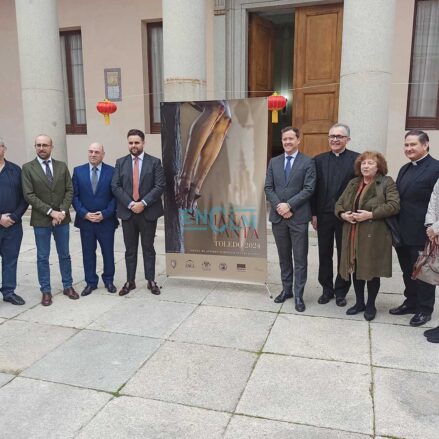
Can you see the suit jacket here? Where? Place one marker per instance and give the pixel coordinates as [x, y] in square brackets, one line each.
[85, 201]
[297, 191]
[14, 202]
[42, 195]
[324, 179]
[151, 186]
[415, 196]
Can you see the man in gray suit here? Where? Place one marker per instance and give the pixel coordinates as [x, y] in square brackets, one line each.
[289, 185]
[138, 183]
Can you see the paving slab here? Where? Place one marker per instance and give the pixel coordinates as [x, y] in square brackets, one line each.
[318, 337]
[245, 427]
[227, 327]
[93, 359]
[5, 378]
[195, 375]
[32, 297]
[403, 347]
[130, 417]
[243, 296]
[23, 343]
[38, 409]
[72, 313]
[314, 392]
[386, 301]
[184, 290]
[406, 403]
[148, 317]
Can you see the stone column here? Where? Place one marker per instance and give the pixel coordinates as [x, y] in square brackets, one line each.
[41, 74]
[365, 77]
[184, 49]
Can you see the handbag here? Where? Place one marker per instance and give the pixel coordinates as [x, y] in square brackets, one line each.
[426, 267]
[392, 221]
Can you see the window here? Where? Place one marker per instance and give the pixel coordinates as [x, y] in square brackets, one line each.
[73, 78]
[423, 98]
[155, 68]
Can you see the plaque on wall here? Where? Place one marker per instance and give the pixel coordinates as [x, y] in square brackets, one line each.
[113, 84]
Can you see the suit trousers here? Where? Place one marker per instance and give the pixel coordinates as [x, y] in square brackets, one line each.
[90, 236]
[328, 228]
[135, 226]
[419, 294]
[292, 244]
[10, 243]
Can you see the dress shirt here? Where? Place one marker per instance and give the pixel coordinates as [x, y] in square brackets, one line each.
[43, 165]
[99, 168]
[293, 157]
[140, 163]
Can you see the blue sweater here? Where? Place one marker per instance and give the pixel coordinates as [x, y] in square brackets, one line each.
[11, 193]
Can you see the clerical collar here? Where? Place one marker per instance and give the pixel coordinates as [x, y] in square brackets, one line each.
[418, 162]
[338, 154]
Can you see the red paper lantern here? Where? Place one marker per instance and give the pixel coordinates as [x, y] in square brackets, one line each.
[276, 103]
[106, 107]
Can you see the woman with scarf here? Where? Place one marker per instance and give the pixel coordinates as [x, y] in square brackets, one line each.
[367, 241]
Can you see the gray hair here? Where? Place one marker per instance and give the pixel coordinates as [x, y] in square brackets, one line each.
[2, 142]
[344, 126]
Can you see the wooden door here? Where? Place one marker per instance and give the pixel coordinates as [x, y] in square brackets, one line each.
[261, 39]
[316, 73]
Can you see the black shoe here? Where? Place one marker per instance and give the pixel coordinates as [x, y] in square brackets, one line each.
[111, 288]
[15, 299]
[356, 309]
[300, 305]
[324, 298]
[433, 338]
[402, 310]
[128, 286]
[152, 285]
[420, 319]
[283, 296]
[431, 331]
[370, 314]
[87, 290]
[340, 301]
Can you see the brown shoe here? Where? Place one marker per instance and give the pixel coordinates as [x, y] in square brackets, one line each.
[152, 285]
[71, 293]
[128, 286]
[46, 299]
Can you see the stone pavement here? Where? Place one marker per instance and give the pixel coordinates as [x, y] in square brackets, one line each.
[210, 360]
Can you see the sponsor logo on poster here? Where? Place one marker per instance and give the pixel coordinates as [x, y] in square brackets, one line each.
[206, 265]
[190, 264]
[241, 267]
[173, 263]
[222, 266]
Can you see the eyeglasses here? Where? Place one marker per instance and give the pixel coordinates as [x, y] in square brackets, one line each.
[41, 145]
[336, 137]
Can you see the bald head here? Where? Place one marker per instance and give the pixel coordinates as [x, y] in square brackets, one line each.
[96, 153]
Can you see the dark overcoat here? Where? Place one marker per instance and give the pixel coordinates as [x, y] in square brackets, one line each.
[373, 240]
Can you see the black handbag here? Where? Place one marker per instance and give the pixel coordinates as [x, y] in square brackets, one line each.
[392, 221]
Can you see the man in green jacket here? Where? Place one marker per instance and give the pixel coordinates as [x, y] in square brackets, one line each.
[47, 187]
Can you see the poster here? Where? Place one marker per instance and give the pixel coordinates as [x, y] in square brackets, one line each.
[214, 158]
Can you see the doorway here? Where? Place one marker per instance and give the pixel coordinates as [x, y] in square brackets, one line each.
[297, 53]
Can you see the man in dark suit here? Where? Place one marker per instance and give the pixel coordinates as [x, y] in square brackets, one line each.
[138, 183]
[12, 208]
[334, 170]
[289, 185]
[415, 184]
[95, 207]
[47, 187]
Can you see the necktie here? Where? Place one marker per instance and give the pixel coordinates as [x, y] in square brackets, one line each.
[288, 167]
[48, 171]
[94, 179]
[136, 179]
